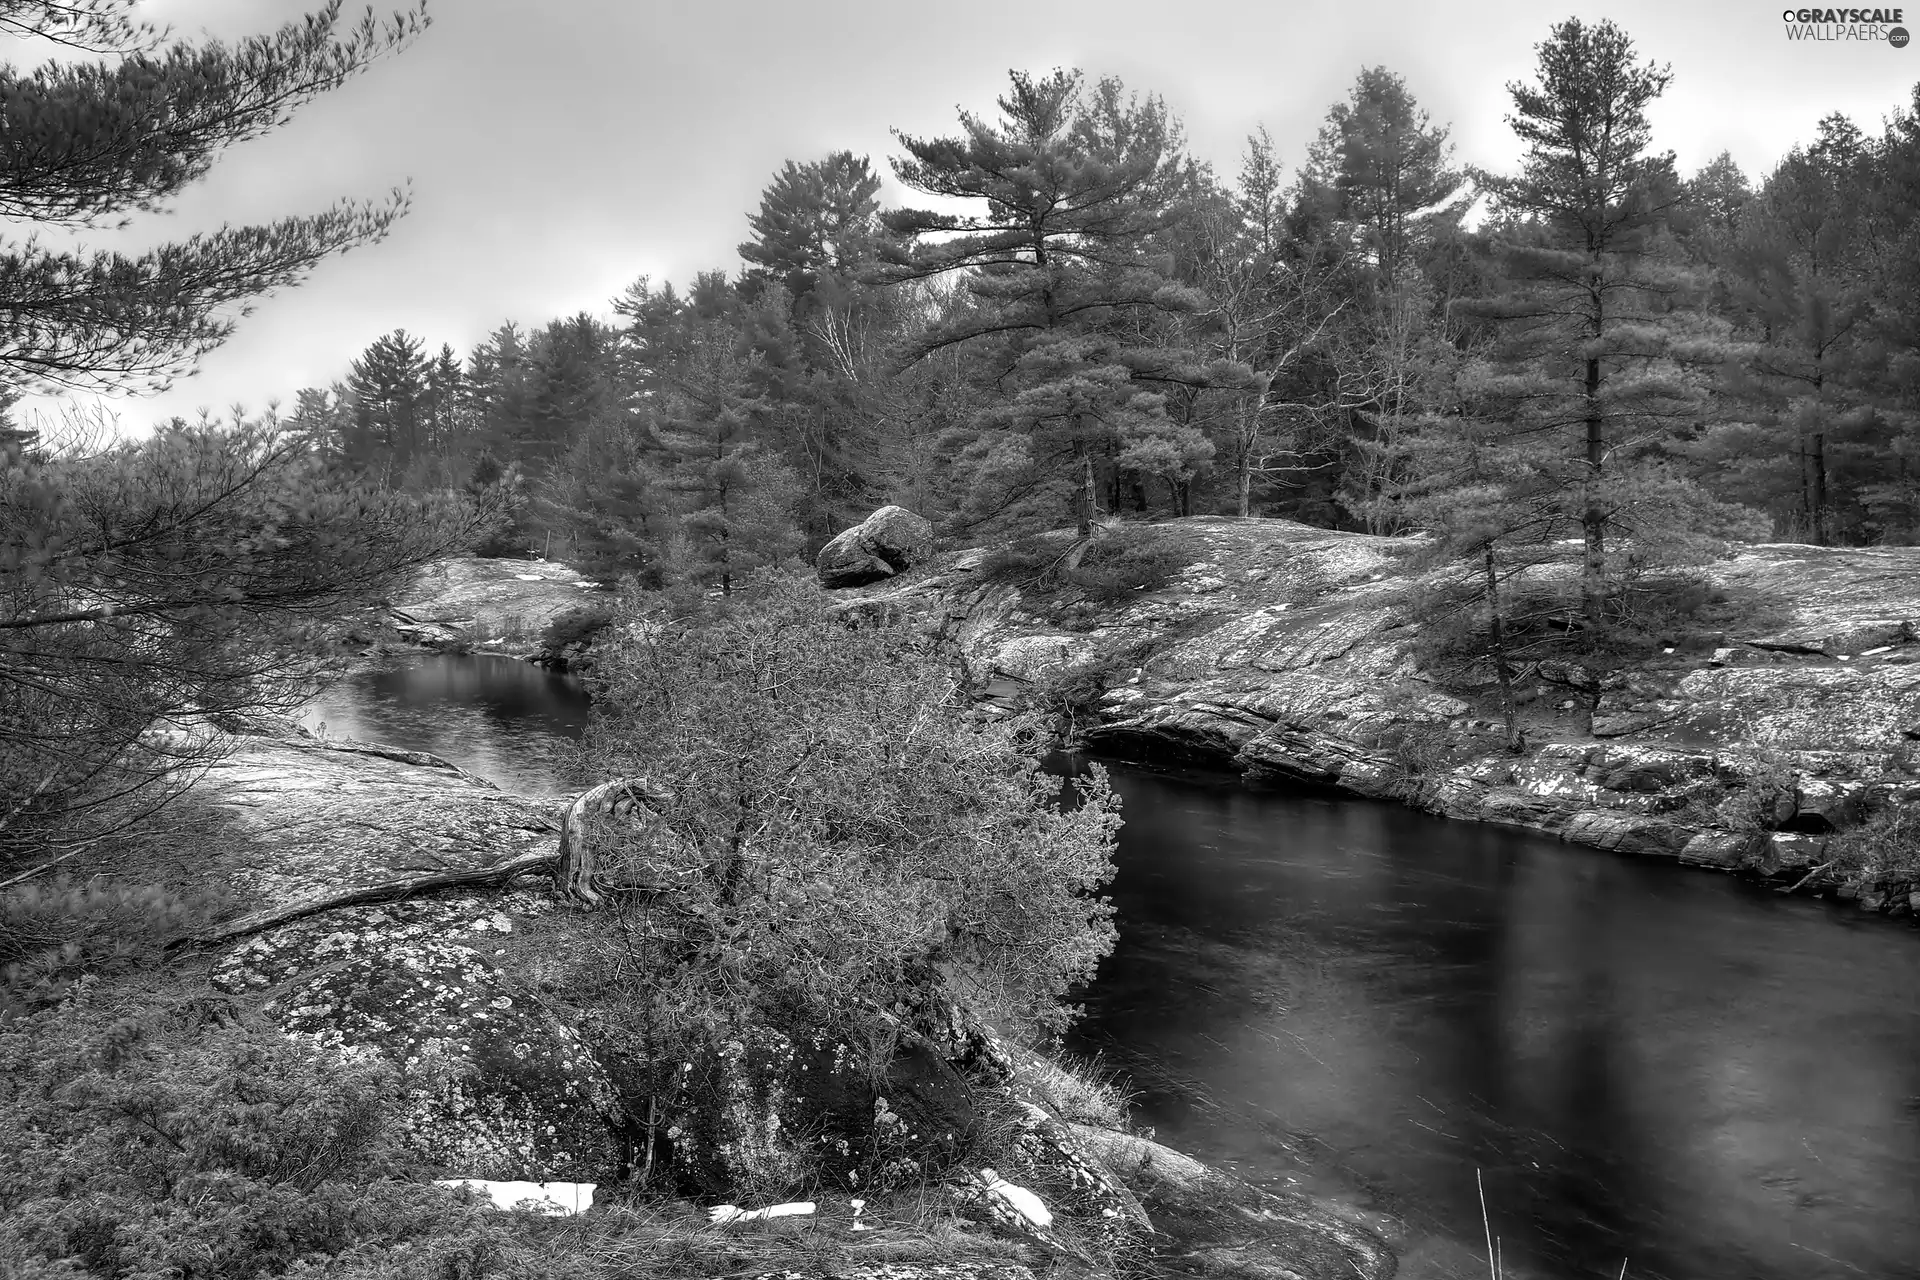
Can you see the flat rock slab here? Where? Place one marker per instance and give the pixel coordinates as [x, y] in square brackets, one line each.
[323, 816]
[497, 605]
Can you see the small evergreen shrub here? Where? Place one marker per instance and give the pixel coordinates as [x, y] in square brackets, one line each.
[1025, 562]
[181, 1143]
[1128, 559]
[54, 931]
[576, 628]
[1117, 562]
[1881, 853]
[1067, 694]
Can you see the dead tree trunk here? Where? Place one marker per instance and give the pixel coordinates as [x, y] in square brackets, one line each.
[576, 871]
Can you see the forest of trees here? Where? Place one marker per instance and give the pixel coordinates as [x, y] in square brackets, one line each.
[1092, 323]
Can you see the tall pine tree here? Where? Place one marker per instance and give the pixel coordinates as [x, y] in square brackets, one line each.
[1592, 372]
[1060, 280]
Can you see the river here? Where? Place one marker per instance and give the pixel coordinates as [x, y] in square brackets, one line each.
[1668, 1068]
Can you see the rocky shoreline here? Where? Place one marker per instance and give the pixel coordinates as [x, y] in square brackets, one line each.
[401, 908]
[1284, 652]
[1287, 652]
[472, 604]
[404, 909]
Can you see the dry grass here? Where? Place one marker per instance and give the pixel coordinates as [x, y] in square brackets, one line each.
[1078, 1091]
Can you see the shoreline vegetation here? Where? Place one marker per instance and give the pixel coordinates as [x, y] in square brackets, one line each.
[1771, 735]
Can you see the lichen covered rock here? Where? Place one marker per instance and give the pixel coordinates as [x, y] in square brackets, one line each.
[473, 603]
[498, 1086]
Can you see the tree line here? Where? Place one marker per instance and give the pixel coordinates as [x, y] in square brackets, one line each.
[1091, 322]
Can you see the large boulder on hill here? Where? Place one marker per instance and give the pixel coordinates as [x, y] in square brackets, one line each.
[890, 541]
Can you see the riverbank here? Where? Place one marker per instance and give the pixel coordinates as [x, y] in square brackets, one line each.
[1778, 738]
[393, 908]
[473, 604]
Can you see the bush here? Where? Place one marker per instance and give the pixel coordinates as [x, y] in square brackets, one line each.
[1127, 559]
[186, 1143]
[1421, 750]
[1066, 694]
[844, 836]
[54, 931]
[1025, 562]
[576, 628]
[183, 1143]
[1881, 853]
[1119, 561]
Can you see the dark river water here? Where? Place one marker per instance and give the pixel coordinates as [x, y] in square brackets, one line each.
[508, 721]
[1640, 1064]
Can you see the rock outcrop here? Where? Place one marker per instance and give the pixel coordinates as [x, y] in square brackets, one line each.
[1288, 652]
[888, 542]
[471, 604]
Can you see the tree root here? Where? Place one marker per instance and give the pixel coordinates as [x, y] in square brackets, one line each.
[497, 876]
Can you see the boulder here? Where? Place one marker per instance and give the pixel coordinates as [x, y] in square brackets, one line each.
[890, 541]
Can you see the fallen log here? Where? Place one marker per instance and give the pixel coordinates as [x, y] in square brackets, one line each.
[494, 877]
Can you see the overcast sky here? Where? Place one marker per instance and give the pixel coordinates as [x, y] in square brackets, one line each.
[558, 150]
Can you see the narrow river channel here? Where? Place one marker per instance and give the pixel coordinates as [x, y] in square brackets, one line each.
[1669, 1068]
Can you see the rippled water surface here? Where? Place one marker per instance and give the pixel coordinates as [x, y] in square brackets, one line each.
[1670, 1067]
[1667, 1066]
[508, 721]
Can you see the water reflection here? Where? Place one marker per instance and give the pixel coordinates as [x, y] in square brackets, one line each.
[1669, 1067]
[505, 720]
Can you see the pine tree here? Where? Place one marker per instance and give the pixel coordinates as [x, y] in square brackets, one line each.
[1796, 285]
[318, 422]
[608, 499]
[698, 382]
[1378, 178]
[15, 440]
[444, 408]
[1061, 287]
[1491, 517]
[389, 387]
[1378, 197]
[569, 381]
[1593, 369]
[500, 391]
[816, 220]
[83, 147]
